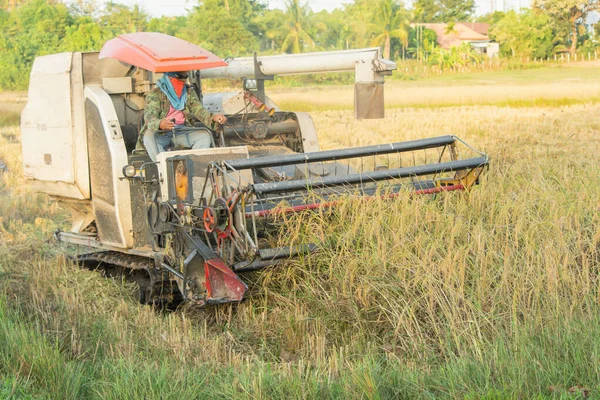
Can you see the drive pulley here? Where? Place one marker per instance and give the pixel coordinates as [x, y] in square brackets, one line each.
[217, 218]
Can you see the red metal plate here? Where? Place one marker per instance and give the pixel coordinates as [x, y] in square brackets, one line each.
[222, 284]
[158, 52]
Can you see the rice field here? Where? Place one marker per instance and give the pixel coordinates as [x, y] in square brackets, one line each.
[547, 86]
[488, 294]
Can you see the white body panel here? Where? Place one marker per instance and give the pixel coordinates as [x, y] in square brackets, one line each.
[310, 141]
[52, 127]
[120, 204]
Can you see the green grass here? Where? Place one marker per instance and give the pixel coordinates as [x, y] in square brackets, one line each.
[530, 363]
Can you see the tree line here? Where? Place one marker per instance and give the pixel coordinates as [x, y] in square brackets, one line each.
[228, 28]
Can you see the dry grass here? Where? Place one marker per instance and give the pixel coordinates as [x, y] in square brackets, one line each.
[488, 293]
[523, 245]
[546, 87]
[11, 104]
[410, 95]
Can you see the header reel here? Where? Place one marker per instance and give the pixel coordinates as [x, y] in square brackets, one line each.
[316, 180]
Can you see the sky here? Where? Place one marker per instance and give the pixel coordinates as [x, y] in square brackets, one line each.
[158, 8]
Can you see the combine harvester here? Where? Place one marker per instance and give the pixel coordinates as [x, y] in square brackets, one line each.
[183, 227]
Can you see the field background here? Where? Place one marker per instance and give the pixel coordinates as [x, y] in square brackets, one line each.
[488, 294]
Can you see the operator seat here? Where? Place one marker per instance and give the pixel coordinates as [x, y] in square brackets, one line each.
[131, 133]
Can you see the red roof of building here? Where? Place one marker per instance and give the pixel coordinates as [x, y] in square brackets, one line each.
[479, 27]
[158, 52]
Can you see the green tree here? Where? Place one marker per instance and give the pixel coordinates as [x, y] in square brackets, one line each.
[33, 28]
[421, 42]
[358, 16]
[9, 5]
[270, 33]
[390, 21]
[84, 34]
[294, 28]
[454, 57]
[572, 12]
[168, 25]
[328, 29]
[426, 10]
[445, 58]
[247, 12]
[525, 34]
[88, 8]
[456, 10]
[118, 19]
[244, 9]
[217, 29]
[443, 10]
[491, 18]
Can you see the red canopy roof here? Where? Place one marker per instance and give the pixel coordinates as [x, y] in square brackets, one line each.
[158, 52]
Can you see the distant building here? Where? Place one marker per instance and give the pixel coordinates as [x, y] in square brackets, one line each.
[474, 33]
[479, 27]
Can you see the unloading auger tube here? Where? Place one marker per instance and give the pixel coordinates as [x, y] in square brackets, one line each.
[369, 68]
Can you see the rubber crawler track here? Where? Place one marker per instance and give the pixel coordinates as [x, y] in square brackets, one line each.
[154, 285]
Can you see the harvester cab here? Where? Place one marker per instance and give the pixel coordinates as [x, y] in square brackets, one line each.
[184, 226]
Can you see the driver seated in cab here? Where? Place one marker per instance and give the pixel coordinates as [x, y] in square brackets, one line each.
[170, 107]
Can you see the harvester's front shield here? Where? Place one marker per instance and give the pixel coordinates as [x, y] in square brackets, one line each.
[207, 279]
[222, 284]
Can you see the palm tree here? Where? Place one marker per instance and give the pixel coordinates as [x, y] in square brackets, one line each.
[294, 27]
[390, 21]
